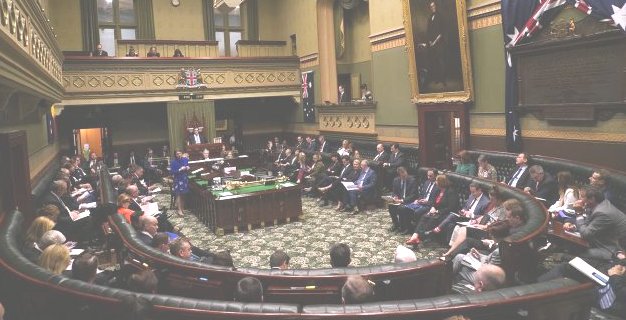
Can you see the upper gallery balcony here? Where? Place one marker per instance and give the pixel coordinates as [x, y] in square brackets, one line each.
[262, 68]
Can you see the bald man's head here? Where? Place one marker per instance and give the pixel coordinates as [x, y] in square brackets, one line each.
[489, 277]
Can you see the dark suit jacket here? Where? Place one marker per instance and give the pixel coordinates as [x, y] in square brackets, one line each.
[310, 147]
[64, 215]
[191, 139]
[145, 238]
[369, 183]
[449, 202]
[547, 189]
[483, 203]
[100, 53]
[604, 227]
[343, 97]
[322, 148]
[384, 157]
[411, 189]
[423, 192]
[396, 160]
[522, 181]
[31, 253]
[334, 169]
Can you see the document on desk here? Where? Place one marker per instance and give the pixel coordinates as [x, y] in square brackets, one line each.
[350, 185]
[591, 272]
[80, 215]
[150, 208]
[573, 233]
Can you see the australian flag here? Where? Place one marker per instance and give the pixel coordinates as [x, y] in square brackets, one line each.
[308, 97]
[614, 10]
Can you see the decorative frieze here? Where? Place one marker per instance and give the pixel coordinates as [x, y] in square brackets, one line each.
[354, 118]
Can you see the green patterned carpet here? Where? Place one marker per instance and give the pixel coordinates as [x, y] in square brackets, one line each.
[306, 241]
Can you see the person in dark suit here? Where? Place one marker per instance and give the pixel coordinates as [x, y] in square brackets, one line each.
[474, 207]
[414, 211]
[603, 228]
[519, 178]
[342, 96]
[99, 52]
[396, 159]
[321, 146]
[542, 185]
[366, 183]
[331, 174]
[76, 230]
[404, 189]
[153, 53]
[381, 156]
[447, 200]
[310, 145]
[196, 137]
[350, 172]
[148, 226]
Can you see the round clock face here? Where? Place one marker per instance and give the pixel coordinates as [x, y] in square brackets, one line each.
[175, 3]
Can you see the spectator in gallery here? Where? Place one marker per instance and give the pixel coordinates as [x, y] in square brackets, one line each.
[99, 52]
[153, 53]
[249, 289]
[366, 94]
[132, 52]
[55, 258]
[356, 290]
[178, 54]
[485, 169]
[342, 95]
[279, 260]
[465, 165]
[339, 255]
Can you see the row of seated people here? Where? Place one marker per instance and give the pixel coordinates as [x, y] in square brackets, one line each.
[432, 209]
[152, 53]
[278, 152]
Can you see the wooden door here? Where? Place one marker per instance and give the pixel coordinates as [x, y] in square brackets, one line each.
[443, 132]
[93, 137]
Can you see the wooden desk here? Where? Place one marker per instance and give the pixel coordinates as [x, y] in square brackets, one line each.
[246, 207]
[556, 232]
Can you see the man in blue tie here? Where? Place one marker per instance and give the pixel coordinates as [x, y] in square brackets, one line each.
[366, 188]
[520, 177]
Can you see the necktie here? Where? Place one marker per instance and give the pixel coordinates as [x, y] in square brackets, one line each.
[403, 189]
[606, 297]
[519, 170]
[472, 204]
[377, 156]
[132, 160]
[429, 190]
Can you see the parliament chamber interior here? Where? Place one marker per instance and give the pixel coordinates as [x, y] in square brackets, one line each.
[313, 159]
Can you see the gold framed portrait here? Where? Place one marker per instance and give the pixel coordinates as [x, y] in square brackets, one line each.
[437, 45]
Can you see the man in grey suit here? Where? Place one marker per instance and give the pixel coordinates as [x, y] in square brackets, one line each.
[603, 227]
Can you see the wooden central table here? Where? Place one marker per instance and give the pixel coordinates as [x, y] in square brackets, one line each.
[247, 207]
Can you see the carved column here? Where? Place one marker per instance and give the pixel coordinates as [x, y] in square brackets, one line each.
[326, 47]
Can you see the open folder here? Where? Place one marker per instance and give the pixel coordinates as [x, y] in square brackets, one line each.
[591, 272]
[350, 185]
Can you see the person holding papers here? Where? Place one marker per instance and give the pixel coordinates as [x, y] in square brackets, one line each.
[404, 189]
[69, 221]
[542, 186]
[477, 228]
[603, 227]
[365, 187]
[474, 208]
[414, 211]
[447, 201]
[179, 168]
[336, 190]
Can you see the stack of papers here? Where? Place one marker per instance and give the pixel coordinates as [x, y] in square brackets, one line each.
[350, 185]
[591, 272]
[150, 208]
[80, 215]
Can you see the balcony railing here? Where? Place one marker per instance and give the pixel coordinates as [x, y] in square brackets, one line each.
[95, 80]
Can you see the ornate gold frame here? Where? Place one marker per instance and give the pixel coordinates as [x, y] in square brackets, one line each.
[466, 94]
